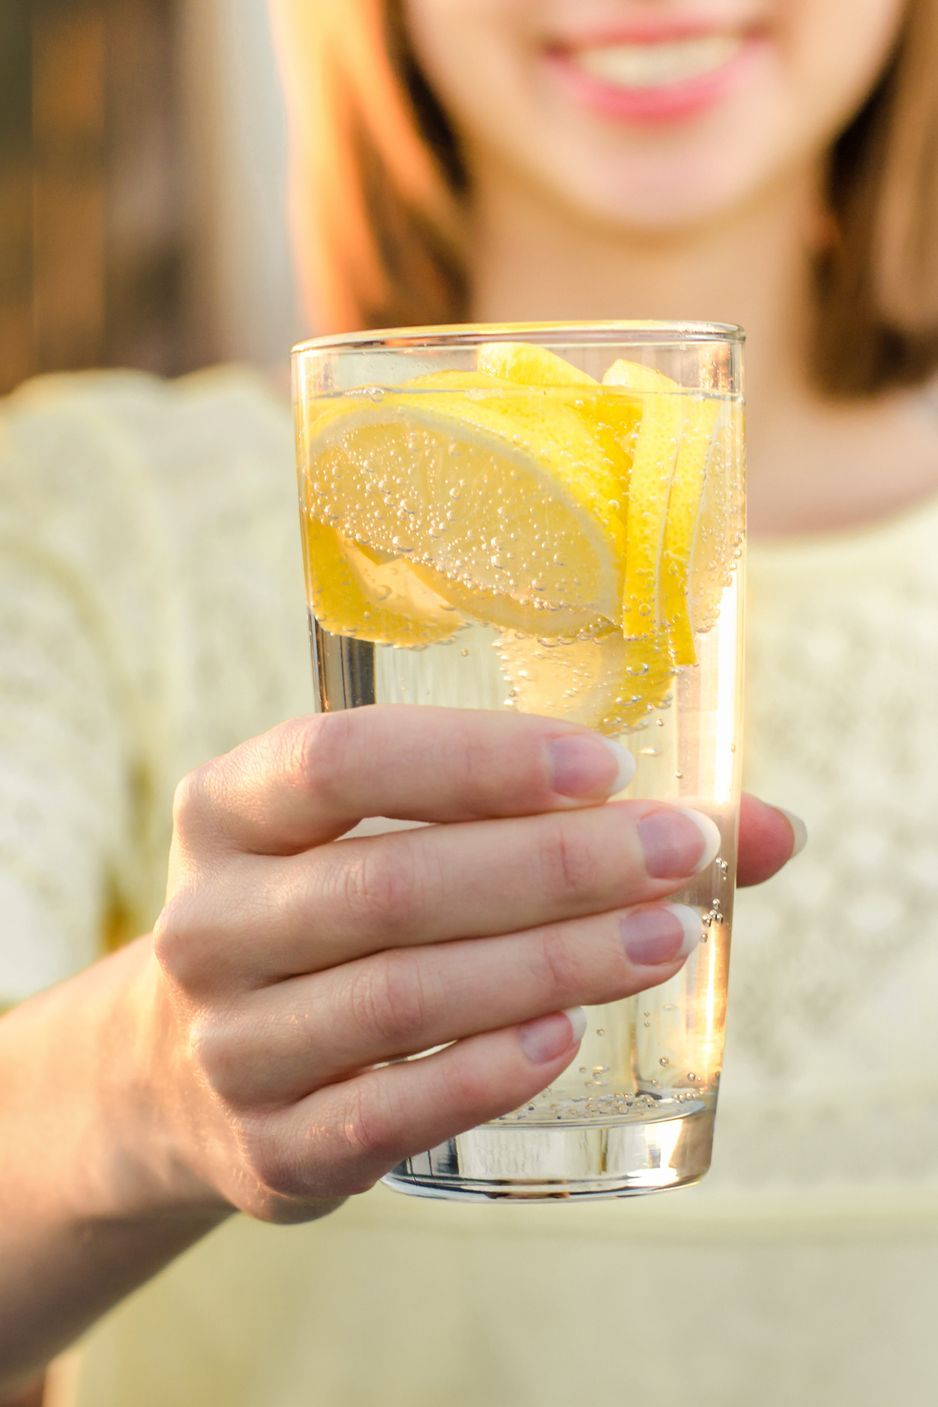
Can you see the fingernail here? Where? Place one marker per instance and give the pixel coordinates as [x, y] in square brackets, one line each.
[660, 934]
[798, 828]
[584, 764]
[678, 842]
[549, 1036]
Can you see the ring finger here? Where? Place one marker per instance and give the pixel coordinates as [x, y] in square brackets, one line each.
[312, 1030]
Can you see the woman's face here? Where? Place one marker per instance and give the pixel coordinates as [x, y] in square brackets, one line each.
[651, 114]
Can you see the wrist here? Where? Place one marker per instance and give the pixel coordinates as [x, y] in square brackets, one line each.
[141, 1165]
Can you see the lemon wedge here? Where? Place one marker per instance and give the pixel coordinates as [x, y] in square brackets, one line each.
[653, 461]
[609, 683]
[350, 593]
[683, 525]
[535, 617]
[492, 492]
[592, 525]
[679, 523]
[609, 414]
[530, 365]
[719, 529]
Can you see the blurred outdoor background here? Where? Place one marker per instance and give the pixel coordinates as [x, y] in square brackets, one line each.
[142, 187]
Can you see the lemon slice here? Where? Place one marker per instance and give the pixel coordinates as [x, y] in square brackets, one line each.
[684, 494]
[608, 683]
[534, 617]
[720, 524]
[494, 493]
[609, 414]
[352, 594]
[684, 531]
[530, 365]
[653, 461]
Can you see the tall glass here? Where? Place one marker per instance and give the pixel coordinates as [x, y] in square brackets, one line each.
[551, 518]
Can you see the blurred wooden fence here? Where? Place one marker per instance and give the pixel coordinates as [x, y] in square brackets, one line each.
[93, 221]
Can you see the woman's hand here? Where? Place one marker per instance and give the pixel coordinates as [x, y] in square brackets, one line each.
[290, 963]
[235, 1060]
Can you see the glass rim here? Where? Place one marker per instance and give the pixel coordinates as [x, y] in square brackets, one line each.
[566, 334]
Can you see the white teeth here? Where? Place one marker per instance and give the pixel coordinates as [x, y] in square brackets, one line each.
[657, 65]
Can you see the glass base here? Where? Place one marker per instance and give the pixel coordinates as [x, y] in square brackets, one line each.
[573, 1162]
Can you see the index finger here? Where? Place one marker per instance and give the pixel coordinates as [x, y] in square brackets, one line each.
[313, 779]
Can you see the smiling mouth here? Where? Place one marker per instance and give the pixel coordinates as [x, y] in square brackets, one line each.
[660, 75]
[642, 67]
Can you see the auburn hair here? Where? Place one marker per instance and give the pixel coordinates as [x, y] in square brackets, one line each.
[380, 189]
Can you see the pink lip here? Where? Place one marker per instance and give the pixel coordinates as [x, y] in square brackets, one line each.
[684, 99]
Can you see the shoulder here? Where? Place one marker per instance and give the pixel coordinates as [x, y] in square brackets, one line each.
[132, 416]
[126, 452]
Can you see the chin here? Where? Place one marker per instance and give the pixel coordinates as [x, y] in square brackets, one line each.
[659, 203]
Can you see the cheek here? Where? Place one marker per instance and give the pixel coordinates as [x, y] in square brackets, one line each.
[480, 58]
[833, 53]
[471, 51]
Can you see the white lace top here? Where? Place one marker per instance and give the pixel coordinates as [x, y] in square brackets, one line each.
[151, 616]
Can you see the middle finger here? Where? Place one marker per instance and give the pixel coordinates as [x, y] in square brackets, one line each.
[313, 1030]
[466, 880]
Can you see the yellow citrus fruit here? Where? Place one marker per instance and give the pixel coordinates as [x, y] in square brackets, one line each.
[350, 593]
[485, 488]
[534, 617]
[717, 534]
[692, 473]
[608, 413]
[679, 545]
[653, 459]
[594, 526]
[530, 365]
[609, 683]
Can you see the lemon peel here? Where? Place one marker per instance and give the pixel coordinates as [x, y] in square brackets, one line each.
[653, 463]
[493, 492]
[384, 602]
[593, 525]
[608, 414]
[720, 523]
[504, 612]
[608, 683]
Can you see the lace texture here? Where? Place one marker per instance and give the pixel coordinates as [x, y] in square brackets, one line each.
[151, 617]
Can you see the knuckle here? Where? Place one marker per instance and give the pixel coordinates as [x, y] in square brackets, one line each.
[284, 1179]
[388, 999]
[559, 964]
[325, 751]
[368, 1134]
[381, 889]
[567, 861]
[276, 1172]
[214, 1052]
[481, 766]
[472, 1088]
[173, 933]
[194, 797]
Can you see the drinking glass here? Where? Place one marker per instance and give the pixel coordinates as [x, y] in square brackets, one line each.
[550, 518]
